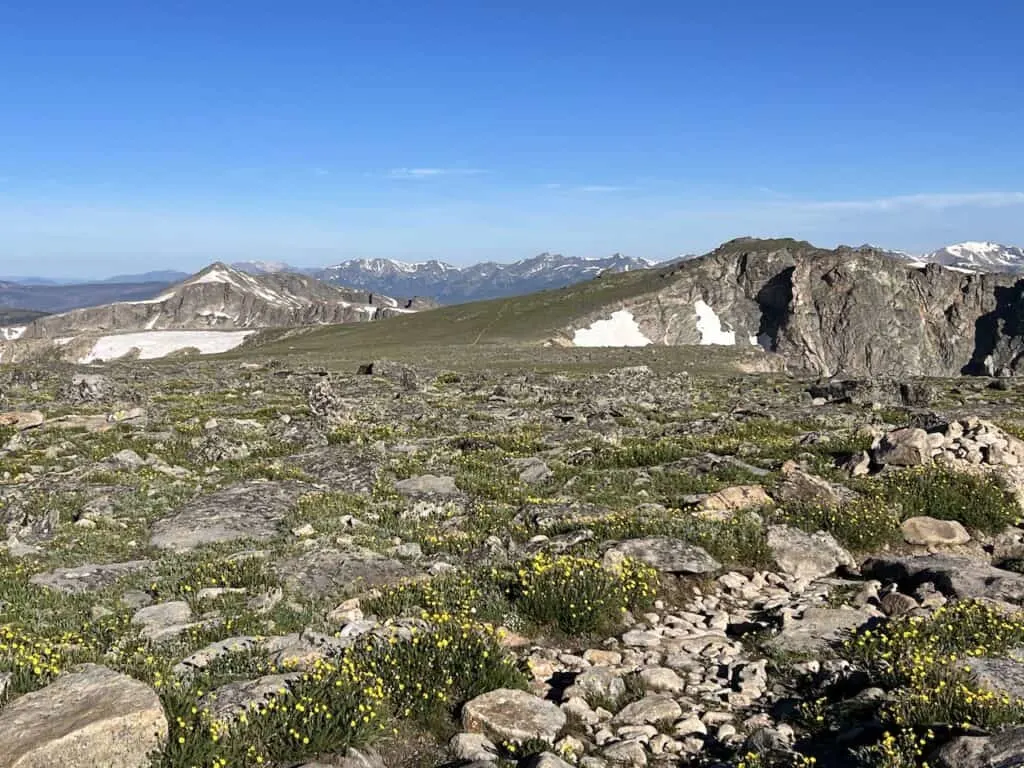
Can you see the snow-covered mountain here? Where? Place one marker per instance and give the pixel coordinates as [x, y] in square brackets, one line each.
[980, 256]
[450, 284]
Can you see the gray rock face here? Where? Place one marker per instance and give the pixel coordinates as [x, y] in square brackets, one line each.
[427, 485]
[1002, 675]
[818, 627]
[333, 570]
[86, 578]
[251, 510]
[904, 448]
[849, 312]
[94, 717]
[511, 715]
[665, 554]
[959, 577]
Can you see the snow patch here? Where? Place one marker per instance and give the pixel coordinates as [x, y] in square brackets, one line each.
[709, 326]
[621, 330]
[12, 333]
[155, 344]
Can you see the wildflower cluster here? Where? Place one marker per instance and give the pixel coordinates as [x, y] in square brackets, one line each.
[184, 578]
[928, 663]
[580, 595]
[863, 525]
[341, 701]
[34, 661]
[977, 501]
[901, 750]
[462, 595]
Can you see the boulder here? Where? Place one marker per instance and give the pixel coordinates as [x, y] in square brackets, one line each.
[1002, 750]
[801, 487]
[511, 715]
[733, 499]
[906, 447]
[806, 555]
[21, 420]
[91, 717]
[819, 627]
[929, 532]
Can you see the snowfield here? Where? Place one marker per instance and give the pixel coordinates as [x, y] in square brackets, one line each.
[155, 344]
[709, 326]
[12, 333]
[621, 330]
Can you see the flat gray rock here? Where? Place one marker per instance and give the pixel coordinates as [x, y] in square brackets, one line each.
[250, 510]
[819, 627]
[340, 570]
[87, 578]
[428, 485]
[665, 554]
[512, 715]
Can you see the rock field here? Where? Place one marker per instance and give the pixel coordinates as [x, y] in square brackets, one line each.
[230, 563]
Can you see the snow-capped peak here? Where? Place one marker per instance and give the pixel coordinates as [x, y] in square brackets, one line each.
[980, 255]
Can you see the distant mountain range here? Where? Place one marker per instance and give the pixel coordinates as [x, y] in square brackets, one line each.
[449, 284]
[438, 280]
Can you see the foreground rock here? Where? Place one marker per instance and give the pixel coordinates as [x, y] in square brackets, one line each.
[510, 715]
[94, 717]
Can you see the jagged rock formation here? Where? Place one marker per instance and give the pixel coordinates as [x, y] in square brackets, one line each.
[850, 312]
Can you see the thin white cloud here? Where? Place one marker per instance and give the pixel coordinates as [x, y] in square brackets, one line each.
[928, 201]
[598, 188]
[431, 173]
[321, 172]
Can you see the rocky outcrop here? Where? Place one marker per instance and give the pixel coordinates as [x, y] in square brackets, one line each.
[849, 312]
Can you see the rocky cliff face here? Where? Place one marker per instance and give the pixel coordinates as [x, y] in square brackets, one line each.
[222, 298]
[847, 312]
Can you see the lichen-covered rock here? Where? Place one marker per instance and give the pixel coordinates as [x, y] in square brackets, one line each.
[89, 718]
[511, 715]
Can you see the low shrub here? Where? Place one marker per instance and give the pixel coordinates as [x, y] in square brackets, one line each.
[580, 595]
[977, 501]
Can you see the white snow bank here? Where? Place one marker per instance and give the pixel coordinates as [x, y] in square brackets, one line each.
[154, 344]
[709, 326]
[12, 333]
[621, 330]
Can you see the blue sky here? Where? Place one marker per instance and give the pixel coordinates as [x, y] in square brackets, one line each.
[138, 135]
